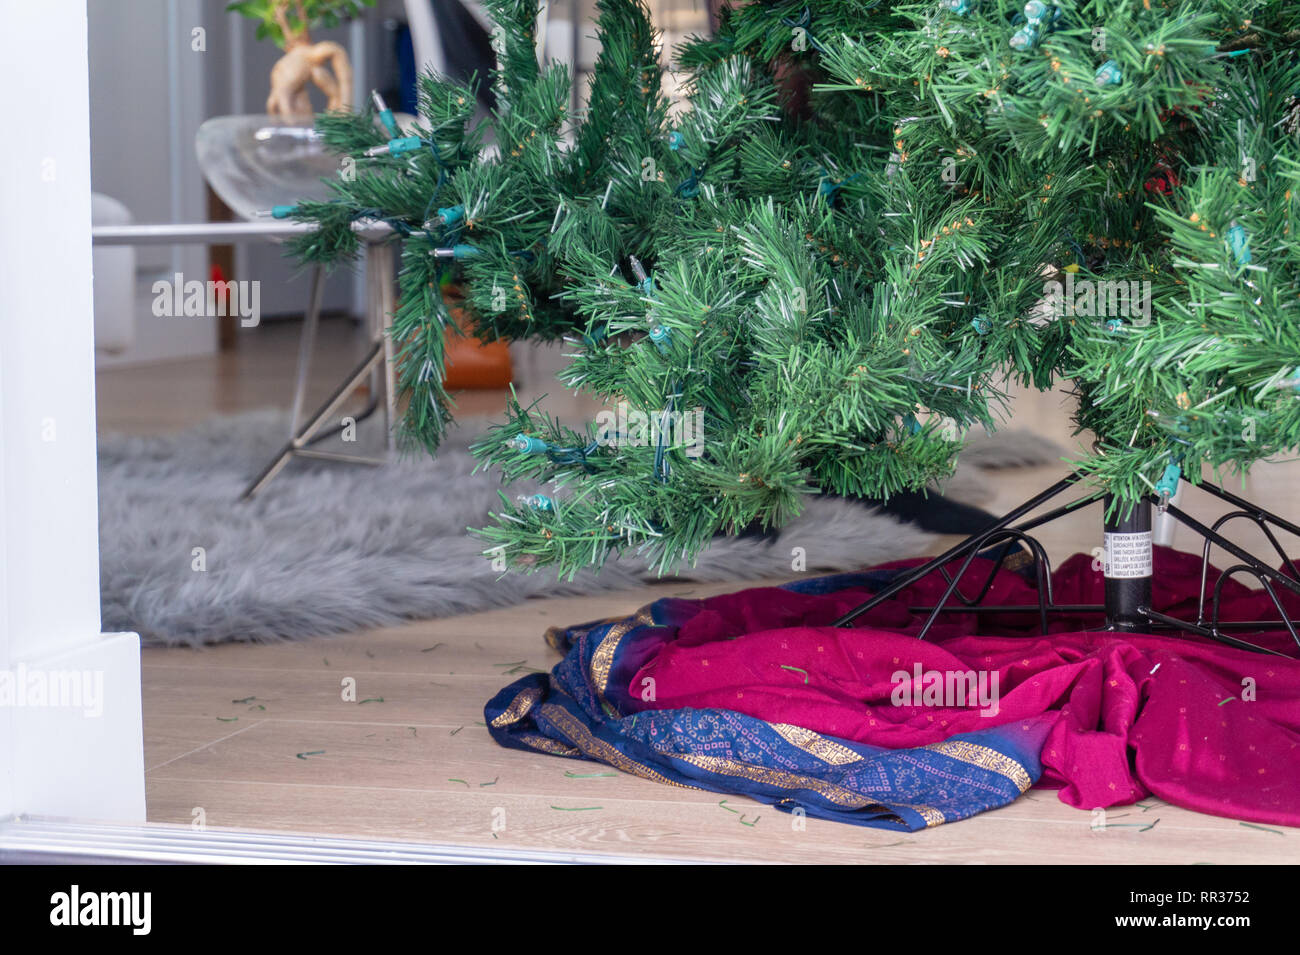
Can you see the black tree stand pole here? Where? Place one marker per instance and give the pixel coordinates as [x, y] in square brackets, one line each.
[1127, 568]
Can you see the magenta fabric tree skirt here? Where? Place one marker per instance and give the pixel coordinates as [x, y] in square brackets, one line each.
[1119, 716]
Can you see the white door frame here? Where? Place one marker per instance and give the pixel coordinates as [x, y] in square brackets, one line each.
[60, 757]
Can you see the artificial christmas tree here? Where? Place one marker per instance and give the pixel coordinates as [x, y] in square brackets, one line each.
[489, 213]
[810, 280]
[865, 218]
[1181, 341]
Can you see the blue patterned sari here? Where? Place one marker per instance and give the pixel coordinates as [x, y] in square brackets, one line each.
[583, 710]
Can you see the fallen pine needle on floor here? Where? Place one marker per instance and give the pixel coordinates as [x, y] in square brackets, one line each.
[1251, 825]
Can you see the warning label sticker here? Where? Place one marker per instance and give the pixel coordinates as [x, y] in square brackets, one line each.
[1128, 555]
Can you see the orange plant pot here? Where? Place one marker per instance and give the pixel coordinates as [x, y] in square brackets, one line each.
[471, 363]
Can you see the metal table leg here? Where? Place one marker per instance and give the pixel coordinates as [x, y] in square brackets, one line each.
[311, 322]
[388, 304]
[376, 365]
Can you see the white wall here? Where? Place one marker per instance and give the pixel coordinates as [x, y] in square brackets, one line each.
[54, 761]
[146, 104]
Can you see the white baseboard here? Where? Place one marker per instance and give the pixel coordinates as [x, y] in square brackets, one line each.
[84, 761]
[37, 841]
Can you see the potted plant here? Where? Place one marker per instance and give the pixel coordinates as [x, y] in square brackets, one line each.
[324, 64]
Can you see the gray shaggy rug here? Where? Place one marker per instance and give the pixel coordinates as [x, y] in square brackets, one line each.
[328, 548]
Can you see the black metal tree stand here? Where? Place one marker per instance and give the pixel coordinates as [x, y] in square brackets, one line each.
[1127, 568]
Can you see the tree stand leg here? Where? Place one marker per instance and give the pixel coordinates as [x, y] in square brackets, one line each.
[1127, 569]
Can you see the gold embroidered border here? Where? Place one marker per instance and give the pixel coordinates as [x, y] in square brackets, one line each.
[519, 706]
[554, 747]
[554, 635]
[780, 778]
[602, 661]
[984, 758]
[815, 744]
[933, 817]
[601, 750]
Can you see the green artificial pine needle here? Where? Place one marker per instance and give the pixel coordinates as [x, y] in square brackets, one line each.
[1251, 825]
[848, 250]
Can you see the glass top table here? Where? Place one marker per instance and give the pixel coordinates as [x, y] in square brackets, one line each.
[257, 161]
[254, 162]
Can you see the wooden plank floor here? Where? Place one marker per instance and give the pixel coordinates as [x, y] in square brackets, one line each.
[224, 726]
